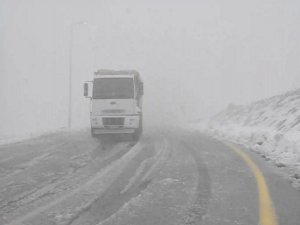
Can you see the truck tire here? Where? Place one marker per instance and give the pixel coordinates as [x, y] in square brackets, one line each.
[138, 132]
[136, 135]
[93, 133]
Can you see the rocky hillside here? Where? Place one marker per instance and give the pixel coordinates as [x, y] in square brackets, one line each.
[271, 127]
[280, 114]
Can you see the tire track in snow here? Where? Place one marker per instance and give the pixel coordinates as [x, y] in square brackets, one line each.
[30, 189]
[199, 206]
[87, 188]
[55, 187]
[137, 178]
[166, 197]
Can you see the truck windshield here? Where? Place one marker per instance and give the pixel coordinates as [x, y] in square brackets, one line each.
[113, 88]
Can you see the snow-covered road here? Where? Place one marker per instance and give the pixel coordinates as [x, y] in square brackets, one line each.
[168, 177]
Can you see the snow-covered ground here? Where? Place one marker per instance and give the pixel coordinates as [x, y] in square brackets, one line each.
[270, 127]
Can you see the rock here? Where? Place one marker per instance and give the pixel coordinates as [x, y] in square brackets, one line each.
[280, 164]
[296, 176]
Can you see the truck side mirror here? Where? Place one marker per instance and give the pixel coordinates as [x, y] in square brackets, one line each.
[141, 88]
[86, 89]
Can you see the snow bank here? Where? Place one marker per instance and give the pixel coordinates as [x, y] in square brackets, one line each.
[270, 127]
[41, 134]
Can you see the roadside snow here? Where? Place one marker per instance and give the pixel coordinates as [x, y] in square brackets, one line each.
[270, 127]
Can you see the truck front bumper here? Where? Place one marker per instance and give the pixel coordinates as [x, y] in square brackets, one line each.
[112, 131]
[115, 124]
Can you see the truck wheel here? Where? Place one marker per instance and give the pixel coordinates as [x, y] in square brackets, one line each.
[136, 135]
[93, 133]
[141, 124]
[138, 132]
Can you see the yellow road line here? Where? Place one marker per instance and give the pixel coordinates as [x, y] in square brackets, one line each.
[267, 215]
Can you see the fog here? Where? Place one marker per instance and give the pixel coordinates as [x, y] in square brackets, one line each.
[195, 57]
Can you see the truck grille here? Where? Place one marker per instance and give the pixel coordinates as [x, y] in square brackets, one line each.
[115, 121]
[113, 111]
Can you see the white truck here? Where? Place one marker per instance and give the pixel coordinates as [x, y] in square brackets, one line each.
[116, 102]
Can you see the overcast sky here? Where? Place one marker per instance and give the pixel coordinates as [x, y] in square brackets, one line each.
[203, 55]
[196, 57]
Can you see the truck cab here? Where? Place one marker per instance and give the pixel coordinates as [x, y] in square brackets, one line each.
[116, 102]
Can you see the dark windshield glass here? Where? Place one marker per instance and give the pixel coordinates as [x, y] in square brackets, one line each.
[113, 88]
